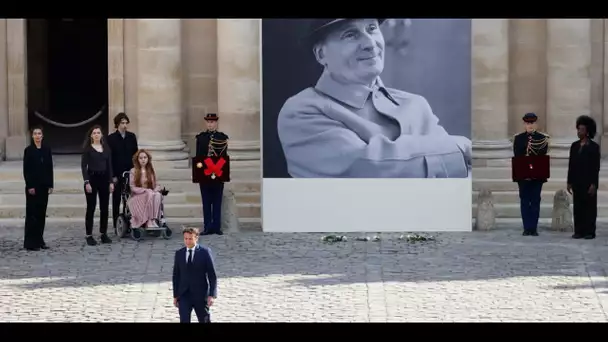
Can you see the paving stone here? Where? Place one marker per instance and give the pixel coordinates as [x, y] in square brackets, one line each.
[461, 277]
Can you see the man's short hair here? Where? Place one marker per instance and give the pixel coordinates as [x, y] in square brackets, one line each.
[119, 117]
[191, 230]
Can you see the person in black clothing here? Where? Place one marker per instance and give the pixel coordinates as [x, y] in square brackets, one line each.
[212, 143]
[38, 176]
[530, 142]
[583, 177]
[123, 145]
[97, 173]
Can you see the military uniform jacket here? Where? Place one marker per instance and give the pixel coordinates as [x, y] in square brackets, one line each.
[535, 143]
[539, 143]
[324, 135]
[204, 138]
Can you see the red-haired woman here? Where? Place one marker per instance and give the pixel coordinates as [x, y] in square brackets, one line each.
[145, 200]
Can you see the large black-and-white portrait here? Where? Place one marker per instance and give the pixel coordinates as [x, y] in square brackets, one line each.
[366, 98]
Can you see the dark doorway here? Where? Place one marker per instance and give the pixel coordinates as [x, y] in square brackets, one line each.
[67, 71]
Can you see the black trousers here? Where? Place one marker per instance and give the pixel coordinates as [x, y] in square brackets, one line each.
[116, 198]
[529, 199]
[100, 186]
[186, 304]
[35, 217]
[212, 206]
[585, 211]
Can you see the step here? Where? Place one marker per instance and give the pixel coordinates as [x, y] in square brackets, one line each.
[512, 210]
[174, 222]
[172, 198]
[62, 173]
[171, 210]
[543, 223]
[508, 185]
[75, 186]
[513, 196]
[505, 172]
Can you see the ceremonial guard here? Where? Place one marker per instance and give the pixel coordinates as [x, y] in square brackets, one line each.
[211, 144]
[530, 143]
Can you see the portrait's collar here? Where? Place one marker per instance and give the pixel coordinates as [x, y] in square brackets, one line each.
[352, 94]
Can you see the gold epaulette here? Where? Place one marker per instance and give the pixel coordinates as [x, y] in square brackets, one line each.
[545, 134]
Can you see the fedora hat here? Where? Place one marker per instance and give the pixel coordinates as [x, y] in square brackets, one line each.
[318, 28]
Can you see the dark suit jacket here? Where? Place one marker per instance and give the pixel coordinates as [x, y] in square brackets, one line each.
[38, 167]
[123, 150]
[198, 279]
[584, 165]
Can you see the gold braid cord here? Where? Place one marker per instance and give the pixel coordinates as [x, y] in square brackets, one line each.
[535, 145]
[215, 145]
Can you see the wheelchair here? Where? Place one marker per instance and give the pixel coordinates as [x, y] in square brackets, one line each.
[123, 222]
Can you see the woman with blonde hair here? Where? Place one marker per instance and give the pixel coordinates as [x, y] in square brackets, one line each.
[146, 197]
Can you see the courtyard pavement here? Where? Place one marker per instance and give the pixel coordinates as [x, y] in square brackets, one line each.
[494, 276]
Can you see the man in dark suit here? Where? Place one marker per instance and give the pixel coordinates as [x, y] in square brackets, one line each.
[123, 145]
[530, 142]
[194, 279]
[212, 143]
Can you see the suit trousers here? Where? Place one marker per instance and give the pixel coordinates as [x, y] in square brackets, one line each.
[186, 304]
[35, 217]
[584, 211]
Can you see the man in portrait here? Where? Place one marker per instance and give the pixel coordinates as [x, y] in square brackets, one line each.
[349, 125]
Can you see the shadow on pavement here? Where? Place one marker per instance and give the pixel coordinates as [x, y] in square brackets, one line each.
[304, 260]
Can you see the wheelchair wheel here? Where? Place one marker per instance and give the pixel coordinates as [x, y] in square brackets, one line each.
[137, 234]
[122, 227]
[166, 233]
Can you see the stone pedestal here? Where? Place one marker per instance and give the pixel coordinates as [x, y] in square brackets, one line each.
[239, 86]
[159, 94]
[490, 91]
[568, 80]
[230, 220]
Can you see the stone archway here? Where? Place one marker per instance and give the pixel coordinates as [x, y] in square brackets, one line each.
[15, 79]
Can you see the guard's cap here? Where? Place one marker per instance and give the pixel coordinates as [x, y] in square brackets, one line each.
[530, 117]
[211, 117]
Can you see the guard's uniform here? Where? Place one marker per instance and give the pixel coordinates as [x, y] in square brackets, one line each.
[212, 143]
[524, 144]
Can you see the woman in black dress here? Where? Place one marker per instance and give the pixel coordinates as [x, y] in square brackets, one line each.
[38, 176]
[583, 178]
[97, 174]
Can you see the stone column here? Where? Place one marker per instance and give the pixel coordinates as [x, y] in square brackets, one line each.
[18, 136]
[604, 139]
[568, 80]
[159, 93]
[239, 86]
[490, 121]
[527, 72]
[3, 90]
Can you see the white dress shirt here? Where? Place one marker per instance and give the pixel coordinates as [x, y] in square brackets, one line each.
[193, 249]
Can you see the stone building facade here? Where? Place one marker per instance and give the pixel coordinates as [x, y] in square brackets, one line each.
[166, 74]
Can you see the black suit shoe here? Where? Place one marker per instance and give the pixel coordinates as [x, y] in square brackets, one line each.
[534, 233]
[589, 237]
[577, 236]
[525, 233]
[219, 232]
[44, 246]
[32, 249]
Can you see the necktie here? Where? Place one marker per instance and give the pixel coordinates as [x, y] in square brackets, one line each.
[189, 256]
